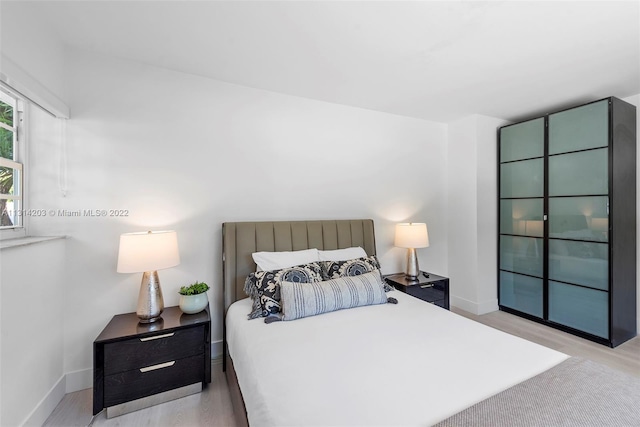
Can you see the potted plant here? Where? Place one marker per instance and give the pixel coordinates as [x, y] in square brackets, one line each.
[193, 298]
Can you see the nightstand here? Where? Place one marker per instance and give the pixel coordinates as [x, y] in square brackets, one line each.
[428, 287]
[137, 365]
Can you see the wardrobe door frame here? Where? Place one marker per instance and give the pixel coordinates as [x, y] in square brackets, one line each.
[543, 237]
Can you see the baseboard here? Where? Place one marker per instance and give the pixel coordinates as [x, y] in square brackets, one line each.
[45, 407]
[474, 307]
[488, 306]
[79, 380]
[216, 349]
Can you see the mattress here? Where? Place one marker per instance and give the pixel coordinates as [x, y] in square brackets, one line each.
[409, 364]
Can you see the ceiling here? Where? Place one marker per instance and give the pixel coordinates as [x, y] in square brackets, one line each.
[427, 59]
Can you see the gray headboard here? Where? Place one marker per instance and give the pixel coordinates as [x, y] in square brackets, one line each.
[241, 239]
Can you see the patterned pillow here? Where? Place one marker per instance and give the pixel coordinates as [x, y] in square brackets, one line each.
[264, 286]
[302, 300]
[352, 267]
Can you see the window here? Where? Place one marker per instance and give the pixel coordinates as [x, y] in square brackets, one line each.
[11, 167]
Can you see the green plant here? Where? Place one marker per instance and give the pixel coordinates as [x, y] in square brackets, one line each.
[6, 151]
[194, 289]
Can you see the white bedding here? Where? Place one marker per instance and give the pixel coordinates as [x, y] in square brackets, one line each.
[408, 364]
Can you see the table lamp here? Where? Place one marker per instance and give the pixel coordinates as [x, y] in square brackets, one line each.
[147, 252]
[412, 235]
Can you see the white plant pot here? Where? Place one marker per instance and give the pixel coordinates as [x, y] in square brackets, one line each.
[192, 304]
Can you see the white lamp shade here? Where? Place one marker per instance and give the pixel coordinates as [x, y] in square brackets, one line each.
[600, 224]
[534, 228]
[412, 235]
[148, 251]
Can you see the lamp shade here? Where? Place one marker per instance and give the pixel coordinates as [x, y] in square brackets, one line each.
[600, 224]
[412, 235]
[148, 251]
[534, 228]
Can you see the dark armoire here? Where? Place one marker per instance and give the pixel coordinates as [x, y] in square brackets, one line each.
[567, 220]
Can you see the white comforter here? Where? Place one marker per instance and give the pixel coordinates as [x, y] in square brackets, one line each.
[408, 364]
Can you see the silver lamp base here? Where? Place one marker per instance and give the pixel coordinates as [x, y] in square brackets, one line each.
[413, 271]
[150, 301]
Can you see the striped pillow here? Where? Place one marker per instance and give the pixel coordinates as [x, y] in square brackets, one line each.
[309, 299]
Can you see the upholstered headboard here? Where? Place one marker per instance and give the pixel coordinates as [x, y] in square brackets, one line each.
[241, 239]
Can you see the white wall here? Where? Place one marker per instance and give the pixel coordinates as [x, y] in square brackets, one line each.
[187, 153]
[635, 100]
[32, 278]
[462, 207]
[29, 42]
[33, 300]
[487, 213]
[472, 227]
[33, 308]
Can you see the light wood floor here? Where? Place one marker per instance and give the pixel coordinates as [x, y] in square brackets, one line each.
[213, 406]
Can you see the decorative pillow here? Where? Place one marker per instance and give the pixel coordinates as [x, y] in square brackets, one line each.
[342, 254]
[264, 286]
[351, 267]
[269, 261]
[302, 300]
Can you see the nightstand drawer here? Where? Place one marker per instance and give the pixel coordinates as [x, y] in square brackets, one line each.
[428, 287]
[136, 353]
[428, 292]
[152, 379]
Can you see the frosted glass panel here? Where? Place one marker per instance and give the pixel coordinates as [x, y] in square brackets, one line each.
[521, 293]
[521, 216]
[579, 128]
[580, 218]
[581, 263]
[585, 172]
[522, 141]
[522, 179]
[580, 308]
[521, 254]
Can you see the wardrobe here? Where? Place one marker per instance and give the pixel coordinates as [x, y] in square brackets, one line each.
[567, 220]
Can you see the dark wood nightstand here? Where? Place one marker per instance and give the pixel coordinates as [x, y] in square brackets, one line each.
[432, 288]
[136, 365]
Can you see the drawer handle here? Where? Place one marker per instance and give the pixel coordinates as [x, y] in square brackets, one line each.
[430, 285]
[158, 366]
[157, 337]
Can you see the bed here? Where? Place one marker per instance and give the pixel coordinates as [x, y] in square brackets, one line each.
[409, 363]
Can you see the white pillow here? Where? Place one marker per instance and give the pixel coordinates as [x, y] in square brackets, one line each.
[268, 261]
[342, 254]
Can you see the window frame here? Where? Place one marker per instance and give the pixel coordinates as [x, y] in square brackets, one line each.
[19, 161]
